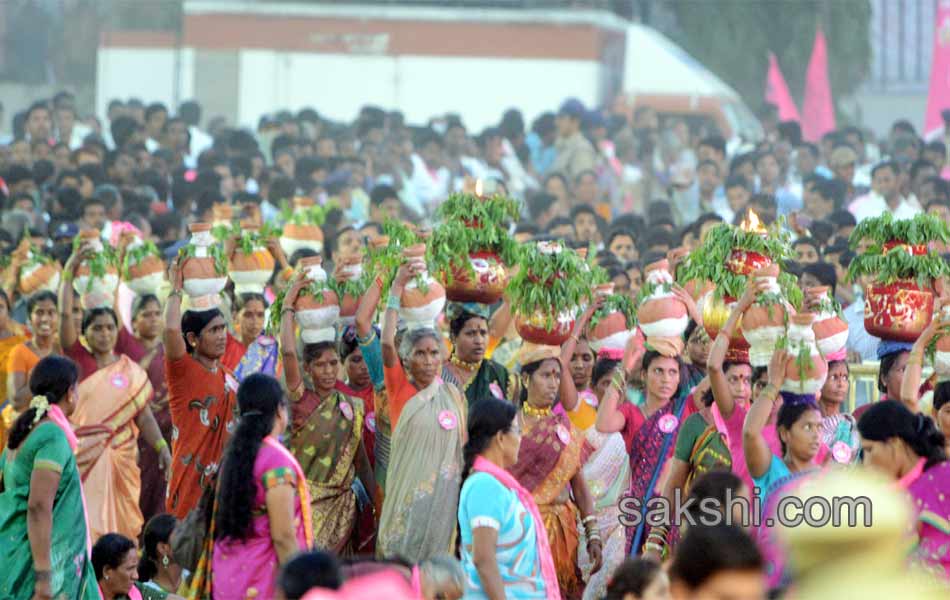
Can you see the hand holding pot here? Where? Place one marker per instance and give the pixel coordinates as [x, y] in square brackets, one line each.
[684, 297]
[936, 323]
[273, 246]
[756, 286]
[294, 292]
[406, 272]
[175, 276]
[75, 259]
[777, 366]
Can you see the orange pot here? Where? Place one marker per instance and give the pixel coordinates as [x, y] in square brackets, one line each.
[831, 331]
[488, 284]
[763, 325]
[801, 337]
[534, 328]
[662, 314]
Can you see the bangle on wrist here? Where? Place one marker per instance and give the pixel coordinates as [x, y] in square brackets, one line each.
[393, 302]
[160, 445]
[43, 576]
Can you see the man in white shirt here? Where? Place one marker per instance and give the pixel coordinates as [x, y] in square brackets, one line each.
[884, 196]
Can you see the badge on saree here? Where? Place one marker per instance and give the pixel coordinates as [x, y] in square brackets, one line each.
[841, 452]
[589, 397]
[371, 421]
[447, 420]
[347, 410]
[563, 434]
[496, 390]
[668, 423]
[119, 381]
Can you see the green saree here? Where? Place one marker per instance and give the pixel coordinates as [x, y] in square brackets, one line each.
[72, 576]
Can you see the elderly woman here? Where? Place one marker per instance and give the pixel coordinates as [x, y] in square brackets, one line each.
[428, 419]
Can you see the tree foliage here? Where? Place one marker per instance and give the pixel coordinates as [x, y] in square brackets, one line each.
[733, 39]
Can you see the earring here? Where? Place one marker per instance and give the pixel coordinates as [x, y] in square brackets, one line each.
[107, 578]
[165, 561]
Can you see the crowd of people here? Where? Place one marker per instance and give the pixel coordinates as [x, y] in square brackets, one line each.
[161, 449]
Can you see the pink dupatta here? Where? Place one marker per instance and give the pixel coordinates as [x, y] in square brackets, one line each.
[548, 573]
[57, 416]
[302, 489]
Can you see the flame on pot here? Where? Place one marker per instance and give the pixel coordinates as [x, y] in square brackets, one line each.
[479, 186]
[752, 223]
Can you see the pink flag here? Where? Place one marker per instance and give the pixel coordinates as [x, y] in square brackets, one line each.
[818, 108]
[776, 92]
[939, 97]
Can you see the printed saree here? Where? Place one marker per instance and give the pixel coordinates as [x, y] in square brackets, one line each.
[72, 574]
[550, 456]
[650, 448]
[152, 497]
[325, 439]
[930, 494]
[262, 356]
[607, 472]
[420, 509]
[109, 401]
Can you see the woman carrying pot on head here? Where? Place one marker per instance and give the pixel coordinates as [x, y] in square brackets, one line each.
[70, 327]
[326, 435]
[731, 383]
[504, 544]
[799, 429]
[428, 420]
[913, 386]
[42, 516]
[113, 412]
[549, 465]
[147, 328]
[909, 448]
[200, 397]
[160, 577]
[11, 335]
[44, 327]
[467, 368]
[649, 431]
[262, 515]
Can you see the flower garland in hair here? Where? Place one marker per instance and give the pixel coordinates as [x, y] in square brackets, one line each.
[41, 404]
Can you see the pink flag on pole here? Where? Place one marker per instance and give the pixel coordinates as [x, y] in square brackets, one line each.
[776, 92]
[818, 108]
[939, 97]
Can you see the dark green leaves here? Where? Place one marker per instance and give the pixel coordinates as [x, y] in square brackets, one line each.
[922, 229]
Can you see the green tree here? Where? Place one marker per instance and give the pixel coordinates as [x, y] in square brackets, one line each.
[733, 38]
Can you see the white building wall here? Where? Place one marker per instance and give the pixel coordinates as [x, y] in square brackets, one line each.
[145, 73]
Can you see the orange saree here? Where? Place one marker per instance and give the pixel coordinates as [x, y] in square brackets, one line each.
[109, 401]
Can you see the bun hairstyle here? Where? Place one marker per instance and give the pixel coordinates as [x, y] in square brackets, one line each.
[486, 418]
[157, 531]
[890, 419]
[52, 377]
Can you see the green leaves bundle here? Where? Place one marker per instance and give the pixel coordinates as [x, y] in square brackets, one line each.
[137, 254]
[550, 283]
[897, 263]
[617, 303]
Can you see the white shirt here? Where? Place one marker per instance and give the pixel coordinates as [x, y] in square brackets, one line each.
[873, 205]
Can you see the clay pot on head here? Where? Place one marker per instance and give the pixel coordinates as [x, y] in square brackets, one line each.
[831, 331]
[535, 329]
[250, 272]
[484, 285]
[95, 290]
[746, 262]
[763, 324]
[804, 379]
[899, 311]
[419, 307]
[316, 315]
[200, 278]
[38, 277]
[715, 313]
[296, 237]
[222, 214]
[351, 267]
[662, 314]
[612, 332]
[379, 242]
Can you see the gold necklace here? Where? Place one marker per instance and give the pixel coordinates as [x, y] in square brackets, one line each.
[465, 366]
[533, 411]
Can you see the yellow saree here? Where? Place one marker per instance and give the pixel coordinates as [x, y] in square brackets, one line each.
[109, 401]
